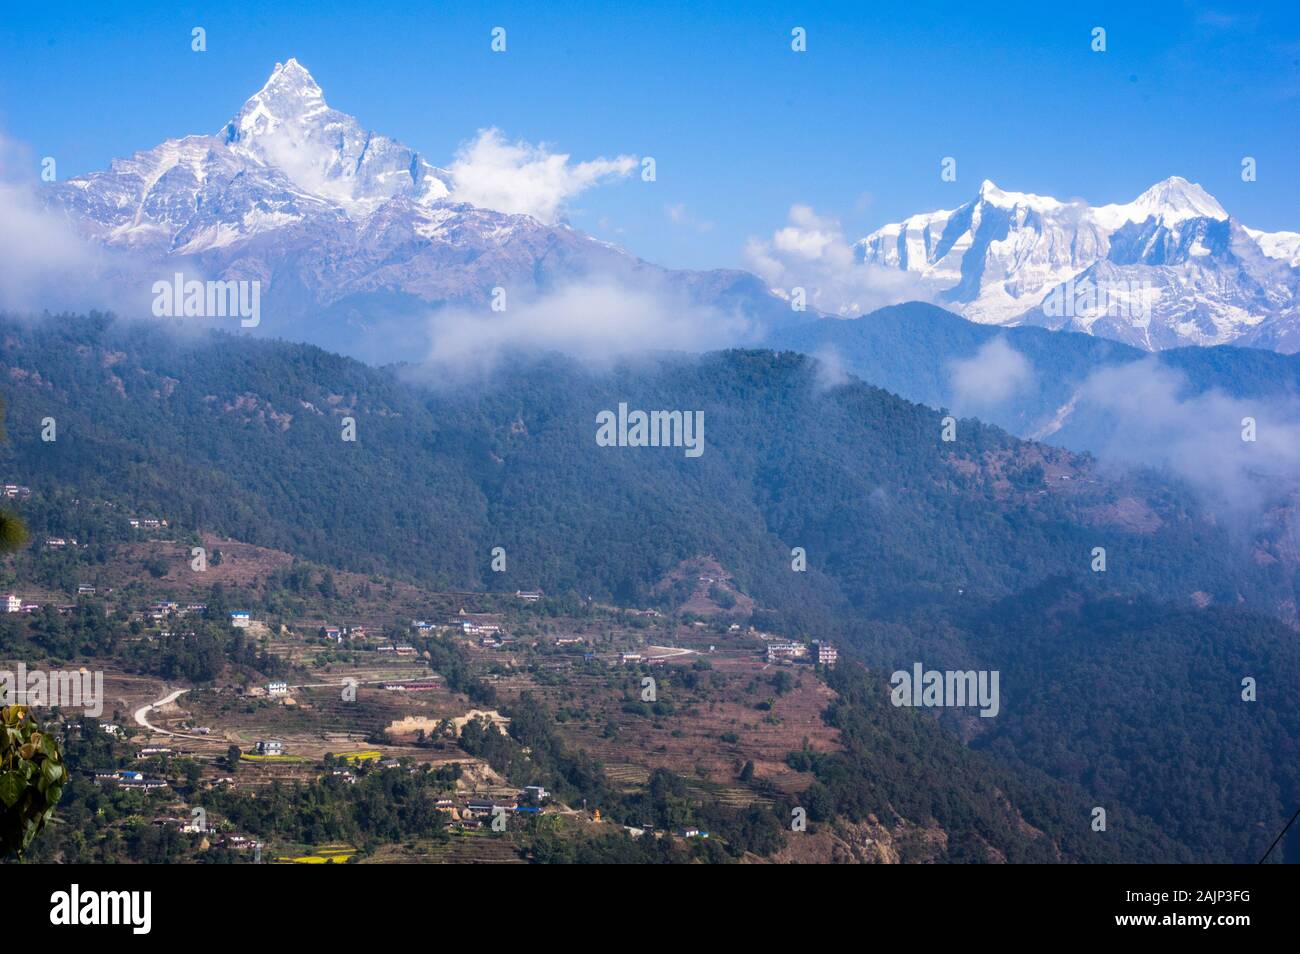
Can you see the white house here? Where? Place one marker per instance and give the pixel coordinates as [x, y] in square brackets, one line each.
[779, 651]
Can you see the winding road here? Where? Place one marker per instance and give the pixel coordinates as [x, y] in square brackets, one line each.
[142, 715]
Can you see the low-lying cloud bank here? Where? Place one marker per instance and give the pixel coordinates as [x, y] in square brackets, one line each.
[1240, 454]
[992, 376]
[596, 320]
[44, 264]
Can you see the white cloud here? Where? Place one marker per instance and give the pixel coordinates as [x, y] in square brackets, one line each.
[594, 320]
[520, 177]
[1155, 422]
[812, 252]
[43, 263]
[988, 378]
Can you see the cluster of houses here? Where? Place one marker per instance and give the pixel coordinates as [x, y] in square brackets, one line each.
[126, 778]
[275, 689]
[231, 841]
[638, 831]
[418, 686]
[485, 627]
[164, 608]
[472, 811]
[476, 625]
[189, 826]
[820, 653]
[350, 777]
[146, 523]
[17, 491]
[237, 843]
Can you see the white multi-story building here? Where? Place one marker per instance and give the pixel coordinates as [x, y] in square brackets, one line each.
[825, 654]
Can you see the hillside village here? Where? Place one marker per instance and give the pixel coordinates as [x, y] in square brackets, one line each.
[352, 681]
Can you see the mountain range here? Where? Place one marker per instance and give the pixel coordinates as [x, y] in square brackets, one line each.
[356, 239]
[1170, 268]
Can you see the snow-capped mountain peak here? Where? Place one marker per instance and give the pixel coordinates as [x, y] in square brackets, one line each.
[291, 94]
[288, 126]
[351, 235]
[1172, 200]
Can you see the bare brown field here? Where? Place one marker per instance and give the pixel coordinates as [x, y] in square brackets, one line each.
[696, 740]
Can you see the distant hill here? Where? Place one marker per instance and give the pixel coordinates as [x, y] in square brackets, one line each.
[911, 349]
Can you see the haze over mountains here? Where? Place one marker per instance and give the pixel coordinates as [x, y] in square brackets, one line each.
[1040, 384]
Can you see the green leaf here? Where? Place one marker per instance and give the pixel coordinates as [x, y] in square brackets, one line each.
[12, 785]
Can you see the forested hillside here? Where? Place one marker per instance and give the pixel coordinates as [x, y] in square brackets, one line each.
[245, 438]
[1125, 685]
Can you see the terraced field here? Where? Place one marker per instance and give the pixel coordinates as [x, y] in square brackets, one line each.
[705, 733]
[466, 848]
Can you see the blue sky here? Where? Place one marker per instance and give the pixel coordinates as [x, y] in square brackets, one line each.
[740, 126]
